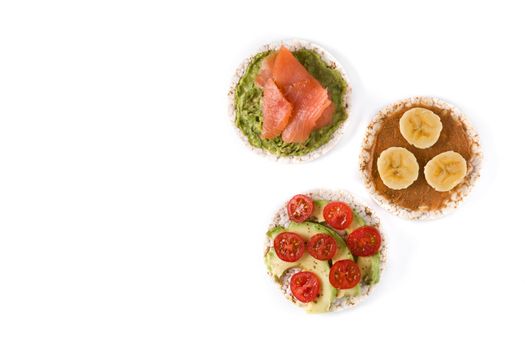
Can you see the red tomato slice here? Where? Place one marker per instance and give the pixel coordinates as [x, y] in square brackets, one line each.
[364, 241]
[345, 274]
[338, 215]
[300, 208]
[322, 246]
[289, 246]
[305, 286]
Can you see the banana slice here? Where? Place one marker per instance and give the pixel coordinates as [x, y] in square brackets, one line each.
[445, 171]
[420, 127]
[398, 167]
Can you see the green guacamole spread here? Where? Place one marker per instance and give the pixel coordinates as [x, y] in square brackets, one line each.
[248, 105]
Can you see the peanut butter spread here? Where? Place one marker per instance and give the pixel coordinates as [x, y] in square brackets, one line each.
[419, 195]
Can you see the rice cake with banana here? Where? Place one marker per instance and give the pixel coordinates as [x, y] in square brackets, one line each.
[420, 158]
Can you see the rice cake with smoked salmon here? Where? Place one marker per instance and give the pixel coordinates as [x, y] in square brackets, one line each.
[247, 105]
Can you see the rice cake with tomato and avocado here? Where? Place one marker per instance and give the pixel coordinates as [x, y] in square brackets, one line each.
[290, 101]
[325, 250]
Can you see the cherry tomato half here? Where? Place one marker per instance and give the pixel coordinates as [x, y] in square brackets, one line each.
[289, 246]
[322, 246]
[364, 241]
[345, 274]
[305, 286]
[338, 215]
[300, 208]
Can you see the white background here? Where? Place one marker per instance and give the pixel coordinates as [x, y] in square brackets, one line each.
[132, 217]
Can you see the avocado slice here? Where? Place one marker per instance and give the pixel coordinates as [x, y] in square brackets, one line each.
[370, 267]
[353, 292]
[277, 266]
[317, 215]
[342, 254]
[357, 222]
[308, 229]
[319, 205]
[275, 231]
[327, 293]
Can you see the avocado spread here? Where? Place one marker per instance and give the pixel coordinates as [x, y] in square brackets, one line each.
[248, 105]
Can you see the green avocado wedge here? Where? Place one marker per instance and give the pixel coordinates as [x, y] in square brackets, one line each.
[370, 267]
[319, 205]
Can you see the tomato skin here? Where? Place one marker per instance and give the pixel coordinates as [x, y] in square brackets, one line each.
[364, 241]
[322, 246]
[289, 246]
[300, 208]
[339, 215]
[345, 274]
[305, 286]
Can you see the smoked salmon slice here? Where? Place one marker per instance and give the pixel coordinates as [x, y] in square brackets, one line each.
[287, 70]
[276, 110]
[308, 105]
[309, 100]
[326, 117]
[265, 72]
[306, 94]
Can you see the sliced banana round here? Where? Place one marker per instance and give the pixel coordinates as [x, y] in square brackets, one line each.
[398, 167]
[420, 127]
[445, 171]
